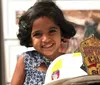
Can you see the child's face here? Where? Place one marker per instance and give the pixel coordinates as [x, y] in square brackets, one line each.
[46, 37]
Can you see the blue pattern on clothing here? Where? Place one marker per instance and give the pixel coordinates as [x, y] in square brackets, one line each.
[34, 59]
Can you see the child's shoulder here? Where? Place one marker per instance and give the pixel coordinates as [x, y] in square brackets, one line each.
[32, 54]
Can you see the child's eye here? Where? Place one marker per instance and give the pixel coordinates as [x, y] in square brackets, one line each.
[37, 35]
[52, 30]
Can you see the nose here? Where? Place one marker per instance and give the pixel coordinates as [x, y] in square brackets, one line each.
[46, 38]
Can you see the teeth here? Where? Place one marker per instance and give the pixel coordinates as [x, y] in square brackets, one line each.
[46, 46]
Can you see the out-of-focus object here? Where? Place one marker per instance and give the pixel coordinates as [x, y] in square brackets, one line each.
[90, 49]
[74, 42]
[2, 59]
[81, 80]
[84, 80]
[64, 67]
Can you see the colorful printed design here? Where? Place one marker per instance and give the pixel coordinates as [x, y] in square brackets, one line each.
[78, 54]
[55, 74]
[90, 49]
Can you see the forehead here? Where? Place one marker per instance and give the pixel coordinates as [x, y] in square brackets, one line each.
[43, 19]
[43, 23]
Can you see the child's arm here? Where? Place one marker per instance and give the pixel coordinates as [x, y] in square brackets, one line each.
[19, 73]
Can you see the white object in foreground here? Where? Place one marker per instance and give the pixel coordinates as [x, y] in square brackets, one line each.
[64, 67]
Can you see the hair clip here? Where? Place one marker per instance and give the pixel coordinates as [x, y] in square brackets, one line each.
[23, 24]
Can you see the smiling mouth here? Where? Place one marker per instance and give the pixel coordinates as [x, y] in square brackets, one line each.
[48, 46]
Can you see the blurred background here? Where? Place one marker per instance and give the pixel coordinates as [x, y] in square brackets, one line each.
[2, 54]
[82, 14]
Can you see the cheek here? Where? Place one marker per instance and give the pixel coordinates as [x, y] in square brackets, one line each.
[58, 39]
[35, 42]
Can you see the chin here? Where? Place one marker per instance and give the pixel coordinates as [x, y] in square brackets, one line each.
[49, 55]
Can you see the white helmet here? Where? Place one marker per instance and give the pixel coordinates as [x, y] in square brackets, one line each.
[64, 67]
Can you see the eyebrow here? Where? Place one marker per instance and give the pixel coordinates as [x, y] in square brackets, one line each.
[53, 27]
[37, 31]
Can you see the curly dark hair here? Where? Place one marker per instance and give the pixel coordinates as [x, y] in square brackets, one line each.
[40, 9]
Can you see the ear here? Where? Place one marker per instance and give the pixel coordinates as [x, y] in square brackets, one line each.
[64, 45]
[64, 40]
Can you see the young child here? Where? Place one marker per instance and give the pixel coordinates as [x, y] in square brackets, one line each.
[43, 27]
